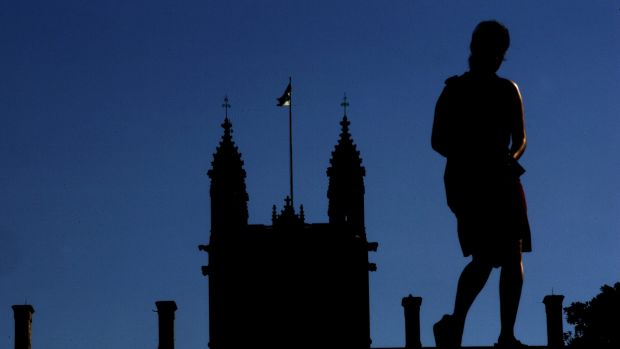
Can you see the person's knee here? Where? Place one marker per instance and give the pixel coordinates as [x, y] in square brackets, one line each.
[513, 257]
[482, 262]
[513, 265]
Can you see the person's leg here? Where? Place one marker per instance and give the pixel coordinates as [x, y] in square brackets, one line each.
[510, 285]
[472, 280]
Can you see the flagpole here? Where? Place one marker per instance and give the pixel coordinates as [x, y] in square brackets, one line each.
[290, 139]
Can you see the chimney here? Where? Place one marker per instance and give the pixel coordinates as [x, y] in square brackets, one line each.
[555, 331]
[412, 321]
[165, 310]
[23, 326]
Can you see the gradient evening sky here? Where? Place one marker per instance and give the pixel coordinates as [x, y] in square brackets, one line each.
[111, 111]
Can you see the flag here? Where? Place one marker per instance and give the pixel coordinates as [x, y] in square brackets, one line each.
[285, 99]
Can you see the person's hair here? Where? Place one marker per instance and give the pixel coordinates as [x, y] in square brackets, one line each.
[489, 41]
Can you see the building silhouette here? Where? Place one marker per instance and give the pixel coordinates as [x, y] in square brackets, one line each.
[291, 283]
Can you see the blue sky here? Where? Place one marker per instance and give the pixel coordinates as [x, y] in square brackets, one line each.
[110, 114]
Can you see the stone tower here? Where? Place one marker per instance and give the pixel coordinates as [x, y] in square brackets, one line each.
[291, 283]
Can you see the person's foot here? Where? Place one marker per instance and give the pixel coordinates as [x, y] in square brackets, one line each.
[509, 343]
[447, 334]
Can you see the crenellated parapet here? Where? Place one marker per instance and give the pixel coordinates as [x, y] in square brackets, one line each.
[287, 217]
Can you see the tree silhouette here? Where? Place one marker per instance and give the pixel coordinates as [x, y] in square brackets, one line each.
[596, 321]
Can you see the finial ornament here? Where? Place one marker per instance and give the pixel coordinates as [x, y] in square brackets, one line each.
[226, 106]
[345, 103]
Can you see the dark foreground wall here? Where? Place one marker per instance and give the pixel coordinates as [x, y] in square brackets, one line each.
[465, 347]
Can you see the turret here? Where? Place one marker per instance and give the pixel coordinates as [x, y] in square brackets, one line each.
[229, 198]
[229, 218]
[23, 326]
[346, 182]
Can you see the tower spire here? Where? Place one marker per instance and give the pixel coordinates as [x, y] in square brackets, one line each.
[228, 192]
[345, 104]
[226, 106]
[346, 181]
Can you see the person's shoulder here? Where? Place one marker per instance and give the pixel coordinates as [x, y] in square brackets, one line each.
[510, 89]
[453, 84]
[452, 80]
[456, 80]
[508, 84]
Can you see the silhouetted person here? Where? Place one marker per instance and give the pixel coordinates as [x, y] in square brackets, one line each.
[479, 128]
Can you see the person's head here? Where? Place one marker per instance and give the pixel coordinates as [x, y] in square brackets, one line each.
[489, 44]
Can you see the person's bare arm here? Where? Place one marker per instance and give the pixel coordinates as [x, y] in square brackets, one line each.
[518, 138]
